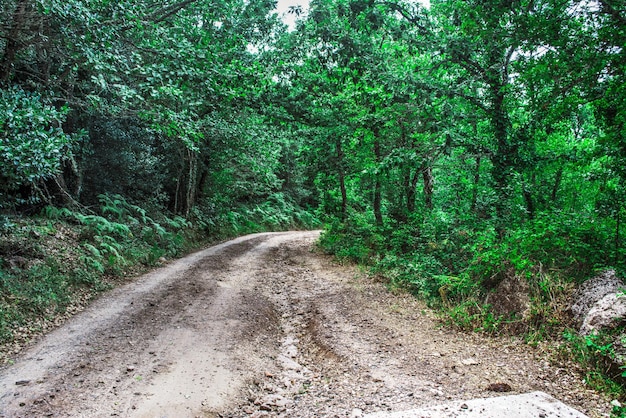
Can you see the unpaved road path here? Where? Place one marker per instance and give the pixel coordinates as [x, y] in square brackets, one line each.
[264, 325]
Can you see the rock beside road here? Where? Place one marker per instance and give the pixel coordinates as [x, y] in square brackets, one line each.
[592, 291]
[599, 305]
[608, 312]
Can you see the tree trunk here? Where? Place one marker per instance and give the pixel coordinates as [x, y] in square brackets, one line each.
[191, 182]
[475, 185]
[429, 186]
[502, 158]
[412, 190]
[377, 187]
[557, 184]
[342, 180]
[12, 42]
[202, 181]
[179, 182]
[61, 192]
[409, 181]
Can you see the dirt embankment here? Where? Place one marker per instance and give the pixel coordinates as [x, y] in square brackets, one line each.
[263, 325]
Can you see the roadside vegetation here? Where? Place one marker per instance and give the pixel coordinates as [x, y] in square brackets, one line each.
[455, 149]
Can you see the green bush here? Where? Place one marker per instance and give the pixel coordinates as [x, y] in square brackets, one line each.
[471, 315]
[355, 240]
[594, 353]
[276, 213]
[33, 145]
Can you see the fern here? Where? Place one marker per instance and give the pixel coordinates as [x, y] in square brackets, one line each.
[113, 204]
[178, 222]
[102, 225]
[159, 230]
[107, 241]
[52, 212]
[92, 263]
[141, 212]
[93, 250]
[5, 224]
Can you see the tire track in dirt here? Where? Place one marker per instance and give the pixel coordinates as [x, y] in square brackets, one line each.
[265, 326]
[163, 343]
[352, 348]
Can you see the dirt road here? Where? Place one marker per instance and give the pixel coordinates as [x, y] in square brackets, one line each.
[263, 325]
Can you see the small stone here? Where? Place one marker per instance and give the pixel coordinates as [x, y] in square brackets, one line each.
[499, 387]
[356, 413]
[130, 368]
[464, 406]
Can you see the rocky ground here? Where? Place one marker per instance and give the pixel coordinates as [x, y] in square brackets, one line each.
[266, 326]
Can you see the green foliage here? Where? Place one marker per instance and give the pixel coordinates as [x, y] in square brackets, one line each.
[419, 273]
[618, 411]
[132, 237]
[33, 145]
[274, 214]
[594, 353]
[574, 245]
[358, 240]
[41, 291]
[5, 224]
[471, 315]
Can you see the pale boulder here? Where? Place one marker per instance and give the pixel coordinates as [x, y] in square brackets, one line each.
[592, 292]
[608, 312]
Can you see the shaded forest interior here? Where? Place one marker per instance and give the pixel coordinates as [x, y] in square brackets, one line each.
[449, 148]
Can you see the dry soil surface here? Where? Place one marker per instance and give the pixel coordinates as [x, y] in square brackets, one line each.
[266, 326]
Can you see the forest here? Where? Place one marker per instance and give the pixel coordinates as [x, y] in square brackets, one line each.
[446, 148]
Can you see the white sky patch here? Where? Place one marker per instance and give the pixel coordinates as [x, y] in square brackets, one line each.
[283, 7]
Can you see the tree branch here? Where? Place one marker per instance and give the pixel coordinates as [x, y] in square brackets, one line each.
[610, 10]
[162, 14]
[417, 21]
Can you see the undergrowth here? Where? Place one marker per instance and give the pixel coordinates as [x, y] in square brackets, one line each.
[596, 355]
[276, 213]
